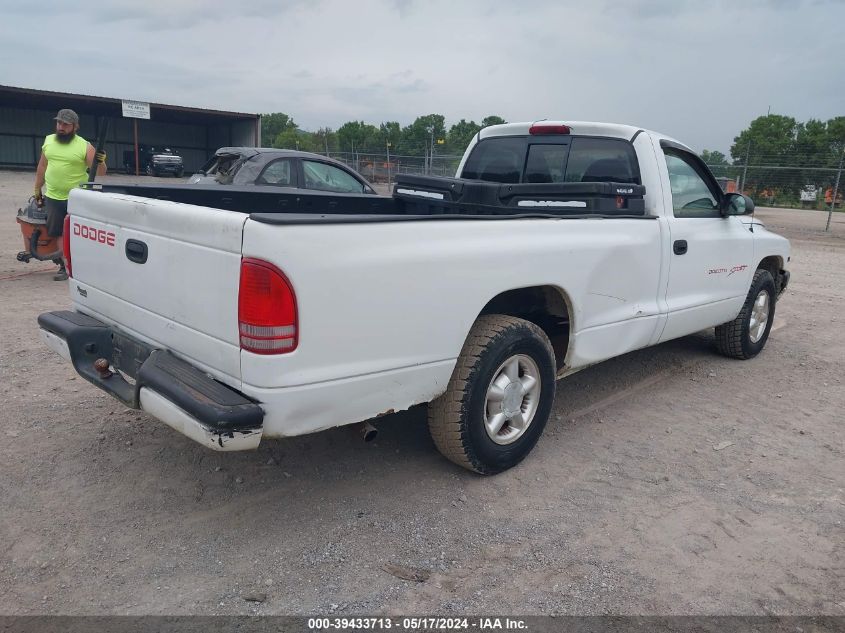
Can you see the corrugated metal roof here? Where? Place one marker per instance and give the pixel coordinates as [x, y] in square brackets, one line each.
[13, 96]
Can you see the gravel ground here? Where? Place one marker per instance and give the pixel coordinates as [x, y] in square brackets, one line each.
[624, 507]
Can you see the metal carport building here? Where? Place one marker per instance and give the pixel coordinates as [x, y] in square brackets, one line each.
[26, 117]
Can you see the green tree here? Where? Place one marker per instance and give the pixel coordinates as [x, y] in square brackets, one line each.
[390, 132]
[417, 137]
[812, 144]
[274, 124]
[492, 120]
[718, 164]
[714, 158]
[769, 140]
[357, 136]
[325, 140]
[309, 142]
[460, 134]
[836, 137]
[286, 139]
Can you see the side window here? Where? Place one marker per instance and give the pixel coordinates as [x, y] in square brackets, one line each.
[602, 160]
[329, 178]
[691, 195]
[496, 160]
[276, 173]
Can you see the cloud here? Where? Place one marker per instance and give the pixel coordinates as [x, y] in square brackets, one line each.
[699, 72]
[158, 15]
[403, 7]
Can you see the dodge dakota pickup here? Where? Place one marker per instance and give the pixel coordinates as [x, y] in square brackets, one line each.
[241, 313]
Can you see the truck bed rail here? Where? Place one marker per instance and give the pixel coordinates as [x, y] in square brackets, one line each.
[413, 197]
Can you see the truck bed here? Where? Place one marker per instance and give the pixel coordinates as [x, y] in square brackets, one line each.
[415, 198]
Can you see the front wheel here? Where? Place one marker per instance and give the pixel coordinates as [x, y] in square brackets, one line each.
[499, 397]
[746, 335]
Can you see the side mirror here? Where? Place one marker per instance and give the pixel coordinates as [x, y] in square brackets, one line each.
[737, 204]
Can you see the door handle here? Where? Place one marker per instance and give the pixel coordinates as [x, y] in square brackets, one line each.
[136, 251]
[679, 247]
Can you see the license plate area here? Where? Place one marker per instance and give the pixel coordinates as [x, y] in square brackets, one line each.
[128, 354]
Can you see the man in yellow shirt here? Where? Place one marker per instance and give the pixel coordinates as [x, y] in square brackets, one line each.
[64, 163]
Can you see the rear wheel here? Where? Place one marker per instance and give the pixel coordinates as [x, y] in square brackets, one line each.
[746, 335]
[499, 397]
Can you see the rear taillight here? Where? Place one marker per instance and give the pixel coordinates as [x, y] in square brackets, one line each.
[66, 245]
[549, 128]
[267, 320]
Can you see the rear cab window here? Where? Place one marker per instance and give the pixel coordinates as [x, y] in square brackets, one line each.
[497, 160]
[223, 167]
[544, 159]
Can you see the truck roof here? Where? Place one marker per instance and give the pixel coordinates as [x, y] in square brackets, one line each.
[581, 128]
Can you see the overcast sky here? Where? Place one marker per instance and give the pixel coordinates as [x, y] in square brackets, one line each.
[697, 70]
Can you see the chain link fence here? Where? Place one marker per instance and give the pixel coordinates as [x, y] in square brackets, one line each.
[784, 185]
[790, 181]
[771, 184]
[797, 181]
[383, 167]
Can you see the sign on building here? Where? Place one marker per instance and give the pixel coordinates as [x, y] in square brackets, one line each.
[136, 109]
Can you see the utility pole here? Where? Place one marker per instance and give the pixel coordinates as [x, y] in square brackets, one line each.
[835, 190]
[745, 169]
[440, 141]
[388, 164]
[431, 153]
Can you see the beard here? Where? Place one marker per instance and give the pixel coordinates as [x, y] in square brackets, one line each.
[62, 137]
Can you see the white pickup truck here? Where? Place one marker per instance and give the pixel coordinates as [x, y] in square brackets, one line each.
[263, 313]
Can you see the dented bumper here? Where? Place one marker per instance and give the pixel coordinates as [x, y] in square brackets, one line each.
[156, 381]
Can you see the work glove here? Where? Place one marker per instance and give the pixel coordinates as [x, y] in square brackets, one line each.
[100, 157]
[39, 197]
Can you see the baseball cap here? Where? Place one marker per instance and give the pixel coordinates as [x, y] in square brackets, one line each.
[67, 116]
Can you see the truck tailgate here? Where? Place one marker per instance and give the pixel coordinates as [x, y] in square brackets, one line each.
[164, 271]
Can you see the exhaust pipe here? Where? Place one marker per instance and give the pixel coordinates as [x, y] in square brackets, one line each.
[368, 431]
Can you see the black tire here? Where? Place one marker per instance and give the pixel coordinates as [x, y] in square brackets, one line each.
[734, 338]
[456, 419]
[150, 171]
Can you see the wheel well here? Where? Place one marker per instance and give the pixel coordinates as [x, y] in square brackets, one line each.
[773, 264]
[545, 306]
